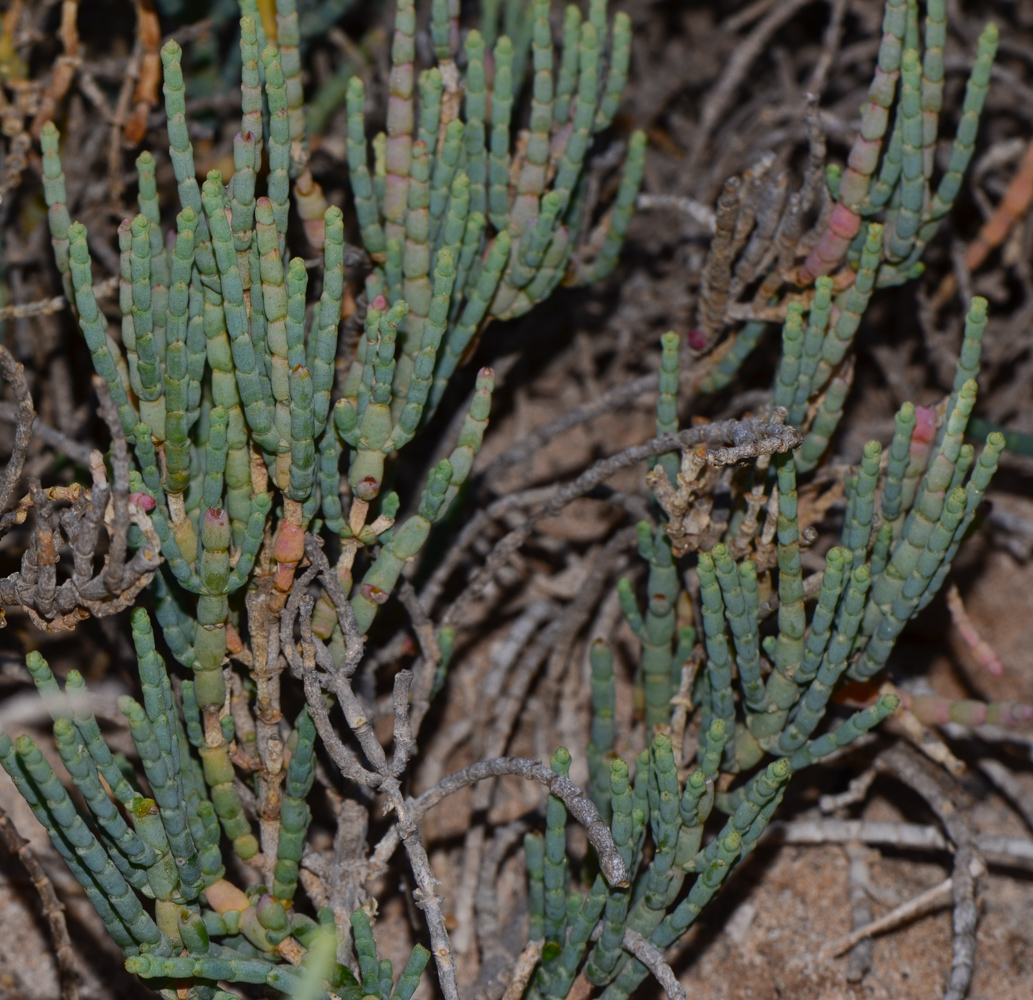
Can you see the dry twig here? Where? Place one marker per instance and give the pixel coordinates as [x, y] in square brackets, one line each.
[927, 902]
[53, 909]
[653, 959]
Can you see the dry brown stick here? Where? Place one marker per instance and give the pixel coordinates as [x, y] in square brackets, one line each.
[702, 215]
[716, 278]
[407, 820]
[525, 966]
[1012, 207]
[148, 33]
[610, 401]
[745, 17]
[1005, 781]
[983, 651]
[53, 909]
[856, 792]
[430, 652]
[578, 804]
[25, 414]
[560, 636]
[15, 162]
[118, 120]
[503, 657]
[653, 959]
[425, 895]
[347, 875]
[343, 756]
[495, 955]
[927, 902]
[119, 527]
[45, 307]
[408, 826]
[613, 399]
[75, 450]
[1008, 852]
[860, 960]
[434, 587]
[720, 96]
[739, 432]
[64, 69]
[969, 867]
[830, 44]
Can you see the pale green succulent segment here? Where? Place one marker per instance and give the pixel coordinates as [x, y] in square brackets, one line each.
[818, 318]
[782, 686]
[607, 951]
[366, 420]
[232, 970]
[617, 78]
[157, 256]
[168, 794]
[657, 628]
[852, 305]
[812, 707]
[434, 327]
[719, 660]
[932, 79]
[501, 112]
[288, 40]
[449, 190]
[94, 326]
[819, 634]
[824, 424]
[741, 614]
[892, 499]
[475, 114]
[56, 197]
[556, 870]
[534, 861]
[788, 376]
[623, 209]
[242, 200]
[366, 205]
[975, 489]
[251, 92]
[178, 411]
[963, 146]
[667, 400]
[295, 814]
[913, 185]
[857, 529]
[971, 347]
[478, 299]
[567, 77]
[581, 928]
[181, 151]
[601, 739]
[279, 151]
